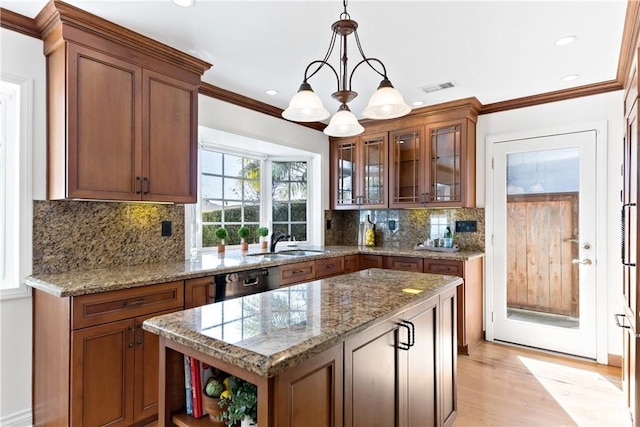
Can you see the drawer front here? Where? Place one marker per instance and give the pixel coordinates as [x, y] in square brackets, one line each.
[329, 267]
[351, 263]
[440, 266]
[370, 261]
[403, 263]
[296, 273]
[96, 309]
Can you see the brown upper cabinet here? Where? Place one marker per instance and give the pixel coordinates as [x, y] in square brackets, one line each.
[359, 171]
[430, 161]
[122, 111]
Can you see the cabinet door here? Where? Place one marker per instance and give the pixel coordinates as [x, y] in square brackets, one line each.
[421, 399]
[200, 291]
[344, 173]
[147, 368]
[102, 375]
[370, 261]
[449, 355]
[403, 263]
[103, 127]
[170, 150]
[373, 181]
[351, 263]
[451, 163]
[407, 168]
[371, 389]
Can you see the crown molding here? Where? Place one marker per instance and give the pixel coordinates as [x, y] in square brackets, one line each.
[18, 23]
[629, 40]
[558, 95]
[57, 13]
[250, 103]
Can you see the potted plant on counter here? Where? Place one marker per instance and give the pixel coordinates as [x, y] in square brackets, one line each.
[239, 403]
[221, 234]
[263, 232]
[244, 232]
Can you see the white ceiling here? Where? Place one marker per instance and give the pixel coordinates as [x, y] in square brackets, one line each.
[493, 50]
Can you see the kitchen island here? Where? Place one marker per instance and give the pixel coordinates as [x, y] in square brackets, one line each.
[375, 347]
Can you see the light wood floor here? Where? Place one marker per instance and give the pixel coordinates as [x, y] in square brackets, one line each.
[501, 385]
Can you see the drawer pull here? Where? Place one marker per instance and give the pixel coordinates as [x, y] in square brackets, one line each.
[134, 302]
[297, 272]
[133, 337]
[406, 265]
[331, 266]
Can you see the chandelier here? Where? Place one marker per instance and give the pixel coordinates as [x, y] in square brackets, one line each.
[385, 103]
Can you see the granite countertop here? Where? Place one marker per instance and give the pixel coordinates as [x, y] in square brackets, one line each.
[269, 332]
[83, 282]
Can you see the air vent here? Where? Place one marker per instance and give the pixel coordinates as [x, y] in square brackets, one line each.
[437, 87]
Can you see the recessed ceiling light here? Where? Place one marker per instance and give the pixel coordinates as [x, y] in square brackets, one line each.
[271, 92]
[566, 40]
[570, 77]
[417, 103]
[184, 3]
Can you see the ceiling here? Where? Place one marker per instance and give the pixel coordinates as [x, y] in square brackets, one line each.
[493, 50]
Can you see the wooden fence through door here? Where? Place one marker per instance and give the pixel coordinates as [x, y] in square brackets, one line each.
[542, 239]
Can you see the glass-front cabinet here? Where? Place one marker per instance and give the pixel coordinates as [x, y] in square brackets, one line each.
[432, 166]
[359, 172]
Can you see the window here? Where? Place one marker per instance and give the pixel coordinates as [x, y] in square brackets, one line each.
[15, 185]
[289, 195]
[230, 196]
[234, 192]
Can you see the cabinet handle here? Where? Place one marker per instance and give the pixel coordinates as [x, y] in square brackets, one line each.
[147, 185]
[297, 272]
[139, 185]
[141, 340]
[133, 336]
[623, 237]
[136, 302]
[620, 324]
[329, 266]
[411, 335]
[405, 265]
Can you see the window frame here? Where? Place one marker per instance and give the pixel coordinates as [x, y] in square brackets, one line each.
[193, 214]
[21, 194]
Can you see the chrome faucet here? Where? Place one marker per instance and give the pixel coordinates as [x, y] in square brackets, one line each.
[275, 238]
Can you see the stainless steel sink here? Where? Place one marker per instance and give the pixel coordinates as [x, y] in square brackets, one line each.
[300, 252]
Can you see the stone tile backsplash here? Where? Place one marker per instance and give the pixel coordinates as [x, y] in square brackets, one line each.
[78, 235]
[412, 226]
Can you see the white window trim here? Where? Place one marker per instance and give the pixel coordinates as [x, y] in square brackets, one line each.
[193, 217]
[24, 245]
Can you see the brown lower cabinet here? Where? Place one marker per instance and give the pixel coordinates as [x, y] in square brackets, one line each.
[93, 363]
[400, 372]
[469, 294]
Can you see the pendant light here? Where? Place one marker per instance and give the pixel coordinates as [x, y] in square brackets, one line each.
[385, 103]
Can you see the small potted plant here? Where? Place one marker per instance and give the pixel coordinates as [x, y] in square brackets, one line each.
[211, 398]
[244, 232]
[239, 403]
[263, 232]
[221, 234]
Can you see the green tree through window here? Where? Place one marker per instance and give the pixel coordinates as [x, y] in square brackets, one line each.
[289, 195]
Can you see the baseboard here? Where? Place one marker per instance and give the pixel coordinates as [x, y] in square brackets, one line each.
[614, 360]
[18, 419]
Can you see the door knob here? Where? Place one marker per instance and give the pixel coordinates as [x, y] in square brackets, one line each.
[585, 261]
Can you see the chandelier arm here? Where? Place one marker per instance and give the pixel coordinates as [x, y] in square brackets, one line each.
[322, 64]
[323, 61]
[365, 59]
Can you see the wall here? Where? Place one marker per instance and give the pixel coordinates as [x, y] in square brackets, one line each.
[21, 56]
[605, 107]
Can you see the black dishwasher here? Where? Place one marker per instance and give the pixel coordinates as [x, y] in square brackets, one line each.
[243, 283]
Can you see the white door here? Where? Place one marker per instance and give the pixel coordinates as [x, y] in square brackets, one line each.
[544, 206]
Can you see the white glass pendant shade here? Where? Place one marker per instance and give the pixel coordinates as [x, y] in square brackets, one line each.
[185, 3]
[343, 123]
[386, 103]
[305, 106]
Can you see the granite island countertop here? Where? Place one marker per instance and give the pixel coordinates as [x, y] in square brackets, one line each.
[83, 282]
[269, 332]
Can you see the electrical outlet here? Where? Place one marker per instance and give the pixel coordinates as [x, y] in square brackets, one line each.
[328, 224]
[166, 228]
[466, 226]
